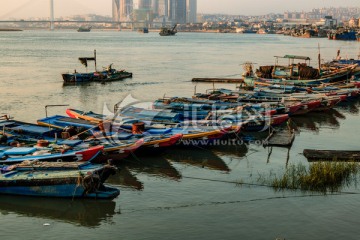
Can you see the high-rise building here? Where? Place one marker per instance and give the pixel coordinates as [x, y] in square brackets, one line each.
[142, 11]
[163, 8]
[191, 11]
[177, 11]
[144, 4]
[126, 10]
[155, 7]
[116, 10]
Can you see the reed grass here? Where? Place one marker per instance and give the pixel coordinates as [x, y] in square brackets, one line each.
[320, 176]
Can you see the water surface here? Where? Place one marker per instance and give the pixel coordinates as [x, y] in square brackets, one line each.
[183, 193]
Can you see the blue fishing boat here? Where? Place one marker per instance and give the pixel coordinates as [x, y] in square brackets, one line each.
[190, 134]
[48, 141]
[342, 34]
[11, 155]
[235, 118]
[153, 140]
[66, 180]
[151, 115]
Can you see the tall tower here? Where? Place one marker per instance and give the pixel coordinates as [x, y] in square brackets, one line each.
[116, 10]
[177, 11]
[155, 7]
[191, 11]
[163, 8]
[144, 4]
[51, 15]
[126, 10]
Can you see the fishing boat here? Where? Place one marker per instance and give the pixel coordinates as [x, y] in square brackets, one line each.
[106, 132]
[10, 155]
[66, 180]
[300, 74]
[226, 120]
[199, 107]
[169, 125]
[107, 75]
[167, 31]
[342, 34]
[84, 29]
[143, 30]
[49, 140]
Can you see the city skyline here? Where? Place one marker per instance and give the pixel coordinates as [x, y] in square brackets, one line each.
[40, 8]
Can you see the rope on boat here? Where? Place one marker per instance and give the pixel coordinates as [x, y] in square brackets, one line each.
[91, 183]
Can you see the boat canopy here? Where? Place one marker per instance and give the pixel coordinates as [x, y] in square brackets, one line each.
[294, 57]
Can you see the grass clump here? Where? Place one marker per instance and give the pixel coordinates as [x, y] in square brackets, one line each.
[319, 176]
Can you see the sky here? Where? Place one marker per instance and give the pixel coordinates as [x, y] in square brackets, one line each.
[40, 8]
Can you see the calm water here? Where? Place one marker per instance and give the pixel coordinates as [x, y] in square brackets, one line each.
[184, 193]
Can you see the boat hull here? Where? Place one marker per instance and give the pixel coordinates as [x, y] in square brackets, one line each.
[65, 180]
[62, 191]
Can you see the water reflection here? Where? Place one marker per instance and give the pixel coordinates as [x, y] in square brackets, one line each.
[231, 150]
[125, 178]
[87, 213]
[316, 121]
[280, 149]
[350, 107]
[203, 158]
[157, 166]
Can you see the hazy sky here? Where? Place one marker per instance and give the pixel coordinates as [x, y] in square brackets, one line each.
[40, 8]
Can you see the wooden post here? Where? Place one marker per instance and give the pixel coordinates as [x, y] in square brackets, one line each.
[95, 60]
[319, 60]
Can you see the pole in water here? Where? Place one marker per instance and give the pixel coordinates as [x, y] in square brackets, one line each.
[319, 59]
[51, 15]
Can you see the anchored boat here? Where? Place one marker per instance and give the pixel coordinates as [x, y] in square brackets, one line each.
[107, 75]
[167, 31]
[67, 180]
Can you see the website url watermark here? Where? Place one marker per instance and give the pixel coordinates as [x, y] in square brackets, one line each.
[221, 142]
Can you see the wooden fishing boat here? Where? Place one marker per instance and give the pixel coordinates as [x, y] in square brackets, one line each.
[342, 34]
[241, 120]
[151, 115]
[105, 132]
[199, 109]
[66, 180]
[189, 133]
[264, 107]
[308, 106]
[107, 75]
[331, 155]
[113, 75]
[291, 75]
[234, 116]
[84, 29]
[11, 155]
[328, 103]
[65, 139]
[166, 31]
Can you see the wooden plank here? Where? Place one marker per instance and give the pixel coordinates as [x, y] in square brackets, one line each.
[280, 139]
[331, 155]
[219, 80]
